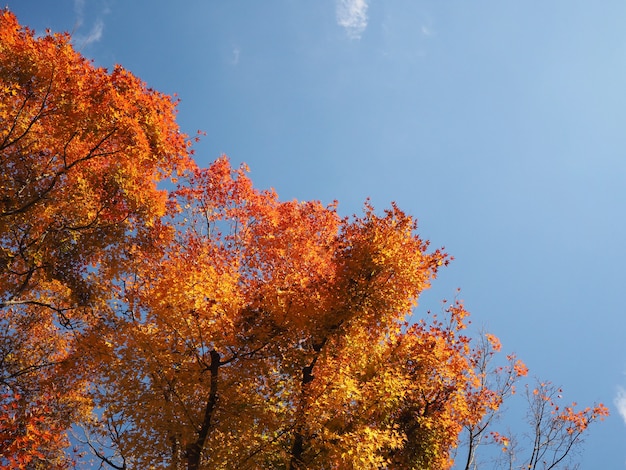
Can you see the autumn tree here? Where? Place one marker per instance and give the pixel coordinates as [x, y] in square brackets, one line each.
[274, 334]
[556, 431]
[495, 385]
[81, 154]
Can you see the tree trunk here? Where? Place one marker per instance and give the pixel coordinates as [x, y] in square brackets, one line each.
[297, 449]
[194, 450]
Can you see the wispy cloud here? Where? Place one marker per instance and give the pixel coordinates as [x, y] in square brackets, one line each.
[235, 55]
[96, 31]
[352, 16]
[94, 35]
[620, 402]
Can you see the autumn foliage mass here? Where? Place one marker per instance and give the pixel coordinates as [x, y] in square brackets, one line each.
[211, 325]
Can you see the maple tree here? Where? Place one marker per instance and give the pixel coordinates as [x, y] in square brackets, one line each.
[286, 338]
[557, 430]
[495, 385]
[82, 151]
[210, 325]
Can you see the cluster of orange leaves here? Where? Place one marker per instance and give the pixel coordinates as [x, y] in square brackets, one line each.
[27, 437]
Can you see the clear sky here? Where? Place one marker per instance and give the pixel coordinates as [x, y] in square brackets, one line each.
[499, 125]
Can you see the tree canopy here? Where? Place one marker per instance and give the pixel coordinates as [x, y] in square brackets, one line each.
[209, 325]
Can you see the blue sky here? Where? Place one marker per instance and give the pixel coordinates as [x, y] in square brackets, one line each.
[499, 125]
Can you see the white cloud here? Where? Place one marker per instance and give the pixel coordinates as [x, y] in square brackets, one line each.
[352, 16]
[620, 402]
[235, 57]
[94, 35]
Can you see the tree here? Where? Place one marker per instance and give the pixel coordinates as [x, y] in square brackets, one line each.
[556, 431]
[495, 385]
[210, 325]
[82, 152]
[286, 339]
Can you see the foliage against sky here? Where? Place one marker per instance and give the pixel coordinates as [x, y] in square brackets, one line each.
[294, 316]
